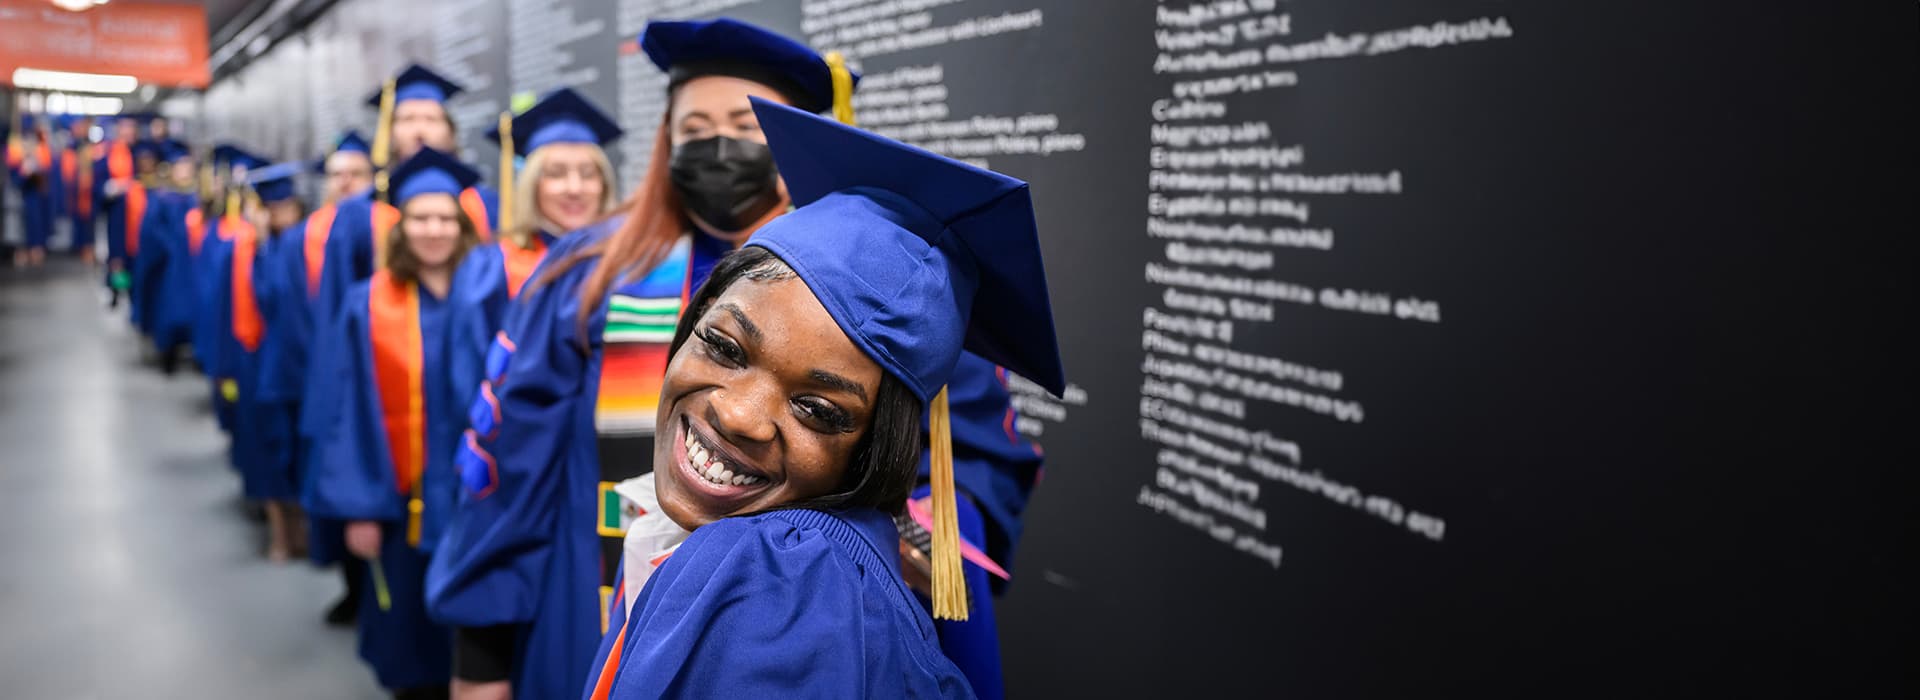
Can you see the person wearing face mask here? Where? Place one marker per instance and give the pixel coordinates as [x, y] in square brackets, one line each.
[384, 463]
[288, 285]
[793, 402]
[528, 564]
[261, 432]
[165, 292]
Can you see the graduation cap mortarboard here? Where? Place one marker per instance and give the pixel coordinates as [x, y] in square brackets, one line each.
[430, 172]
[419, 83]
[273, 183]
[563, 116]
[171, 150]
[915, 256]
[235, 156]
[688, 50]
[349, 142]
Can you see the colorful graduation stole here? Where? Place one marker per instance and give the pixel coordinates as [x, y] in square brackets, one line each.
[196, 230]
[393, 324]
[476, 209]
[314, 248]
[640, 322]
[519, 262]
[248, 326]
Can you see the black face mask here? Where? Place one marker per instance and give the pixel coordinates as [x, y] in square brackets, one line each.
[727, 182]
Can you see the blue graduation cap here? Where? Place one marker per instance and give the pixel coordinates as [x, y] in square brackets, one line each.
[171, 150]
[430, 172]
[563, 116]
[419, 83]
[273, 183]
[349, 142]
[234, 156]
[915, 256]
[688, 50]
[948, 254]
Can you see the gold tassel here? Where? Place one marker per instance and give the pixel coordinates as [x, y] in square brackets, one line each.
[949, 584]
[233, 203]
[506, 172]
[415, 508]
[842, 87]
[383, 139]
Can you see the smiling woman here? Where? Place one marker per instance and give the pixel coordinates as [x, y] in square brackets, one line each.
[762, 359]
[793, 399]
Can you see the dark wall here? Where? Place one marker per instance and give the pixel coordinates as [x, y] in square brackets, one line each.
[1417, 348]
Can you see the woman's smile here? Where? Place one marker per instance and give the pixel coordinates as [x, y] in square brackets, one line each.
[712, 468]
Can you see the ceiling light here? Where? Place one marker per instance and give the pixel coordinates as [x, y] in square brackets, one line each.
[36, 79]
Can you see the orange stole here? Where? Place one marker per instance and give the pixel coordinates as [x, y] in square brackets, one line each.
[476, 209]
[314, 248]
[393, 326]
[136, 210]
[248, 326]
[196, 230]
[83, 197]
[519, 262]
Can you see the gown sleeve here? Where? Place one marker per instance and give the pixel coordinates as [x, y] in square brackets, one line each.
[338, 273]
[352, 476]
[748, 608]
[492, 563]
[478, 301]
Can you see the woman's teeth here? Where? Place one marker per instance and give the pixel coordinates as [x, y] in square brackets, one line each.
[711, 468]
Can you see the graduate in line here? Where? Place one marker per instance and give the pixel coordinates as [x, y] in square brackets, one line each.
[566, 185]
[210, 244]
[794, 400]
[31, 168]
[568, 410]
[120, 199]
[413, 116]
[384, 463]
[165, 289]
[261, 448]
[77, 168]
[288, 282]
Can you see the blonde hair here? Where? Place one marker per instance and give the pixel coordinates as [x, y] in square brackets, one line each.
[526, 193]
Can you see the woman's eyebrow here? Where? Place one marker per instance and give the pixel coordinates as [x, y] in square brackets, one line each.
[746, 325]
[838, 382]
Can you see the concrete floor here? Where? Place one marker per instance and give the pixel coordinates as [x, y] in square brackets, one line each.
[127, 568]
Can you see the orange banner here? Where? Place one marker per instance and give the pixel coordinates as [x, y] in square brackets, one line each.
[161, 43]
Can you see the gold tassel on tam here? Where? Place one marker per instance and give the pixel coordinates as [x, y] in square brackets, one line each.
[842, 87]
[383, 139]
[232, 210]
[506, 171]
[949, 584]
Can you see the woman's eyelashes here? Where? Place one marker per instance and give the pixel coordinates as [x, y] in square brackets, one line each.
[825, 416]
[820, 414]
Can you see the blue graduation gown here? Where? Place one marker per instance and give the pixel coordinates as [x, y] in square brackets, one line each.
[478, 310]
[526, 552]
[111, 208]
[166, 290]
[351, 478]
[209, 322]
[259, 433]
[349, 259]
[37, 200]
[523, 548]
[82, 206]
[790, 603]
[279, 287]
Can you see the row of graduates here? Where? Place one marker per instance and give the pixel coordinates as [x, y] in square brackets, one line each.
[61, 172]
[572, 460]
